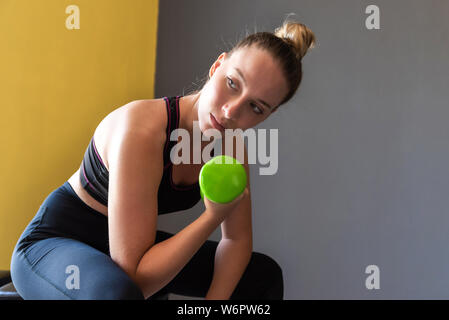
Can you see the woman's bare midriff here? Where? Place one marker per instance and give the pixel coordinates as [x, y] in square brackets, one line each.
[182, 174]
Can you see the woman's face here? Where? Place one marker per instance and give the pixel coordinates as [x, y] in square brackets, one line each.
[242, 91]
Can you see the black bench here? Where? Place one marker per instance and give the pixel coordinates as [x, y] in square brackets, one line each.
[7, 290]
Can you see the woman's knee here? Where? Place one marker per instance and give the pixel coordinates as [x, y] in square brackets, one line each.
[262, 279]
[272, 274]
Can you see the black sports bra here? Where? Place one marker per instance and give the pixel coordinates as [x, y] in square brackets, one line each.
[94, 176]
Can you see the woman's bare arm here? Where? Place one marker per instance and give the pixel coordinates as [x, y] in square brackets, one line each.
[135, 172]
[164, 260]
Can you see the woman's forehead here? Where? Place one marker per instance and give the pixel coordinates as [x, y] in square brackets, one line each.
[259, 71]
[252, 56]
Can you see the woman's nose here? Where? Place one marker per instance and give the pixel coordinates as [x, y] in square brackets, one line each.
[230, 110]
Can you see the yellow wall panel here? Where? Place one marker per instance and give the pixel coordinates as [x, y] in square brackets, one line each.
[56, 84]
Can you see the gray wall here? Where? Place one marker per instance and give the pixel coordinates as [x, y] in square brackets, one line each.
[363, 146]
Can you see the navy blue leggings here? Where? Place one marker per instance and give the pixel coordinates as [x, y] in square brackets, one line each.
[64, 254]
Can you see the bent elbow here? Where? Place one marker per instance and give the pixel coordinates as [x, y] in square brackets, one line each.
[128, 266]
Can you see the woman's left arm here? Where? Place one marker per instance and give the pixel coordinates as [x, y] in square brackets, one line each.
[234, 249]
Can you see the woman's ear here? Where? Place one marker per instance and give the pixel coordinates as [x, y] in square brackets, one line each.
[217, 63]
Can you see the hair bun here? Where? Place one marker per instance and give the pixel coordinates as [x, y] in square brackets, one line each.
[297, 35]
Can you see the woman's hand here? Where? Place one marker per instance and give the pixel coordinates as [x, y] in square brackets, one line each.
[221, 210]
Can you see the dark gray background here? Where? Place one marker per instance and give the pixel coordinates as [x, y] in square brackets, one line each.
[363, 146]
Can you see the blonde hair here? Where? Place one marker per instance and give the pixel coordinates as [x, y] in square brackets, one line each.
[298, 35]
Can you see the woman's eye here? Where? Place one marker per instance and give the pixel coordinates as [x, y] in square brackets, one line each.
[232, 82]
[257, 109]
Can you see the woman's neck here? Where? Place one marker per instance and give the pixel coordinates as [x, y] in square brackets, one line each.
[188, 109]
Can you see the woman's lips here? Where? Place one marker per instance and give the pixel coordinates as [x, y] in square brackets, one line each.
[215, 123]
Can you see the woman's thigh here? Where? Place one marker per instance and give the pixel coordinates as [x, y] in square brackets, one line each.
[262, 278]
[63, 268]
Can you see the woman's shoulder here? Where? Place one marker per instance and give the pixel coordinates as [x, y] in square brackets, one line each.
[148, 116]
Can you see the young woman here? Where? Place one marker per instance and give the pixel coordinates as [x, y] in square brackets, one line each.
[96, 237]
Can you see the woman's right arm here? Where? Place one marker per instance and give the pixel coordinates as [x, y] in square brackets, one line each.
[135, 171]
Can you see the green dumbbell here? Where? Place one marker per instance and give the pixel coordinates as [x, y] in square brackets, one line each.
[222, 179]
